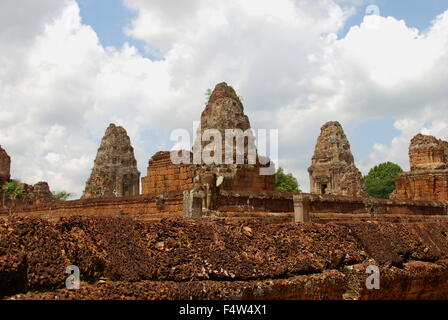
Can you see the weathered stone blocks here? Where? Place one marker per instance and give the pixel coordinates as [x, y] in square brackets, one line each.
[428, 178]
[333, 169]
[115, 170]
[224, 111]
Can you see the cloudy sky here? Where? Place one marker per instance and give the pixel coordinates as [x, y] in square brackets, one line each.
[69, 68]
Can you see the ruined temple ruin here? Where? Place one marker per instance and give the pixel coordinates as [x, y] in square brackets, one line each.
[5, 175]
[333, 169]
[428, 178]
[115, 172]
[164, 176]
[224, 110]
[254, 243]
[33, 195]
[5, 167]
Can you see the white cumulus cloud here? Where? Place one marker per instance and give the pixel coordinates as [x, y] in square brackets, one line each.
[60, 88]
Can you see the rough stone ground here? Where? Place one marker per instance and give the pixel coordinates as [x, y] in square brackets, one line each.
[121, 258]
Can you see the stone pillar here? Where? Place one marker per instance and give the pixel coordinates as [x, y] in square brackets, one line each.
[193, 203]
[301, 208]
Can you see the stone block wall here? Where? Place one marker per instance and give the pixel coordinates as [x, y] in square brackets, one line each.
[143, 206]
[327, 208]
[5, 167]
[246, 178]
[330, 208]
[246, 203]
[164, 176]
[424, 185]
[428, 178]
[428, 152]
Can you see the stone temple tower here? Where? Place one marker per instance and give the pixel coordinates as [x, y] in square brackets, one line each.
[115, 172]
[223, 112]
[333, 169]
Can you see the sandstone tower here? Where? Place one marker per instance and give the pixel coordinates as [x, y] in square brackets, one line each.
[428, 178]
[224, 110]
[333, 169]
[115, 170]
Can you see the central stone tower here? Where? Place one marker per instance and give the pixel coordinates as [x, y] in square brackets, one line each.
[115, 172]
[333, 169]
[224, 111]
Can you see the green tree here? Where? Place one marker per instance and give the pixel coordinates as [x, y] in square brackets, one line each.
[286, 181]
[380, 181]
[14, 189]
[61, 195]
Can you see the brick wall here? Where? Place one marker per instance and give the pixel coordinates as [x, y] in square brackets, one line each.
[270, 206]
[327, 208]
[427, 152]
[429, 185]
[150, 206]
[164, 176]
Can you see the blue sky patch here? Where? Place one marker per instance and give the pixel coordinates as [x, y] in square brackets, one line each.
[417, 13]
[109, 18]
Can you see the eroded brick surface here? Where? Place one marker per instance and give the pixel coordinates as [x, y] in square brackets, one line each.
[115, 170]
[428, 178]
[333, 169]
[121, 258]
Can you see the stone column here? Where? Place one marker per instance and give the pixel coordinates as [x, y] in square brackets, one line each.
[192, 203]
[301, 208]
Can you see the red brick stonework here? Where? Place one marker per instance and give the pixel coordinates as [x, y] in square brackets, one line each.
[428, 178]
[5, 168]
[333, 169]
[223, 111]
[164, 176]
[115, 170]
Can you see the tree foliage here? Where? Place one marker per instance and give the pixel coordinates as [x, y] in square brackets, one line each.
[14, 189]
[286, 181]
[380, 181]
[61, 195]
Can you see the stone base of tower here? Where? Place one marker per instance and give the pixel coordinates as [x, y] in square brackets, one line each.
[164, 176]
[426, 185]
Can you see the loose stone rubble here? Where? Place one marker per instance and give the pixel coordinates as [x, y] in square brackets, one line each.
[120, 258]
